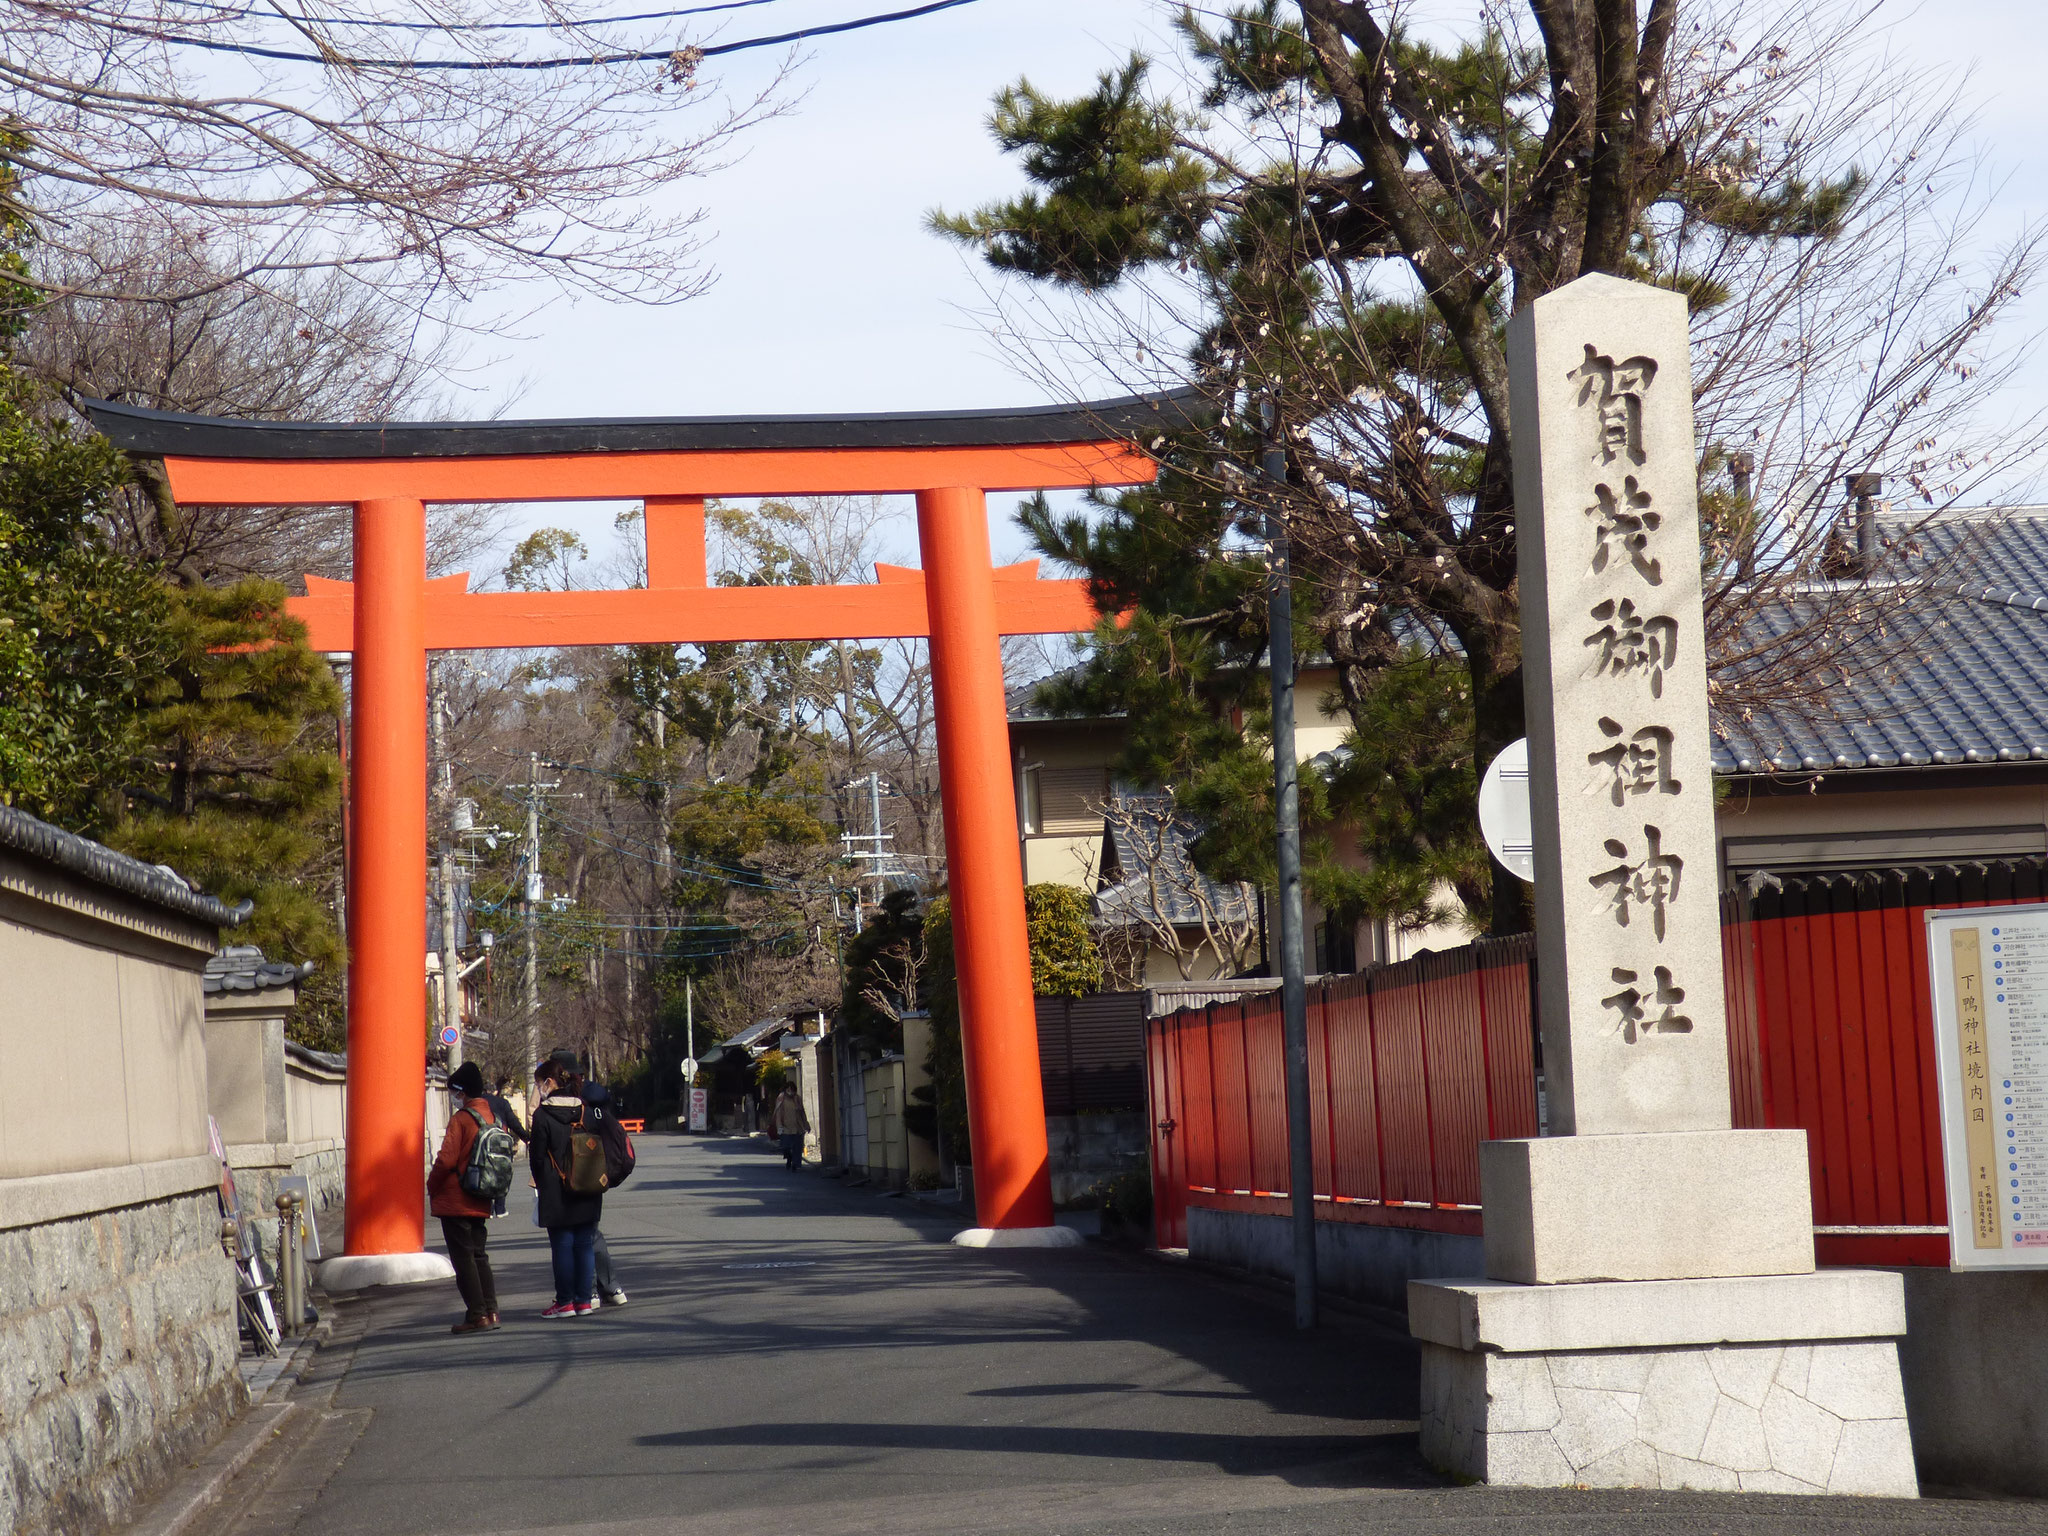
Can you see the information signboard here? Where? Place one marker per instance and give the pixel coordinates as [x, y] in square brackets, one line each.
[700, 1109]
[1988, 967]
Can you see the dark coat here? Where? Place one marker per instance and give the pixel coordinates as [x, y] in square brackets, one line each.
[548, 1155]
[508, 1117]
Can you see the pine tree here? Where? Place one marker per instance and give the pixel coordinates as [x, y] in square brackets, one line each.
[236, 783]
[1338, 231]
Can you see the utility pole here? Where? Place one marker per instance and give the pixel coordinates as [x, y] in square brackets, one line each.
[529, 899]
[444, 808]
[689, 1055]
[1287, 805]
[877, 851]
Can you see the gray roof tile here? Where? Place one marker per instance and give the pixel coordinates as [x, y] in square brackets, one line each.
[1965, 682]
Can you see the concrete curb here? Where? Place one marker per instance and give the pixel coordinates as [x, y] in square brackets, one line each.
[271, 1412]
[202, 1485]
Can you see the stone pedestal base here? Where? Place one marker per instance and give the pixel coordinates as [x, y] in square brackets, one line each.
[360, 1271]
[1018, 1237]
[1782, 1384]
[1564, 1209]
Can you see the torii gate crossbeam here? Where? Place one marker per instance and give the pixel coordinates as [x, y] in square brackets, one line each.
[391, 616]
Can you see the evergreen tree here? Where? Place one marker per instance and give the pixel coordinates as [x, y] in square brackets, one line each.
[1343, 224]
[80, 627]
[1064, 963]
[236, 782]
[884, 972]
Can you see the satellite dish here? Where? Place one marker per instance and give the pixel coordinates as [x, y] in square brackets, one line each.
[1504, 810]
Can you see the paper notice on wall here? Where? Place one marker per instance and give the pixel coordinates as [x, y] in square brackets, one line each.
[1988, 967]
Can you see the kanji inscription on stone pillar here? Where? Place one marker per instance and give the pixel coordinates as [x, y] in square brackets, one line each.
[1627, 912]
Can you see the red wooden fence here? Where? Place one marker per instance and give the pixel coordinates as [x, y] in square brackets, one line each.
[1411, 1066]
[1831, 1028]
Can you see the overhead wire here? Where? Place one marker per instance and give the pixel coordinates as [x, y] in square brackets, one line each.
[630, 56]
[725, 873]
[243, 13]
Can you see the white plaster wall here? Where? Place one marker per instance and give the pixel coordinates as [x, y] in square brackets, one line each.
[1063, 861]
[90, 1026]
[313, 1106]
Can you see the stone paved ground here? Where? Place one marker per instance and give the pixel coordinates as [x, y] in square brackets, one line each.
[799, 1357]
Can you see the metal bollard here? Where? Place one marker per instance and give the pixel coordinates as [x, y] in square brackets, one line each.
[291, 1267]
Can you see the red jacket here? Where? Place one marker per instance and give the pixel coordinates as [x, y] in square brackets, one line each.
[444, 1179]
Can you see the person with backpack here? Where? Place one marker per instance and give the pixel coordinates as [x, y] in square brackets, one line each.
[567, 1156]
[472, 1169]
[619, 1159]
[508, 1117]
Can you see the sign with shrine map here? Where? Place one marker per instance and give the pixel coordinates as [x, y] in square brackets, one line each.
[1988, 967]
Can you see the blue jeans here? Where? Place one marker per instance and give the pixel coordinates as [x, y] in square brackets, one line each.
[575, 1256]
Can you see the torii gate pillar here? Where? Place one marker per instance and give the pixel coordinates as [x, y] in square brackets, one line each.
[384, 1218]
[388, 471]
[985, 879]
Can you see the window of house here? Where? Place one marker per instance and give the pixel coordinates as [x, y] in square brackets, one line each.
[1068, 801]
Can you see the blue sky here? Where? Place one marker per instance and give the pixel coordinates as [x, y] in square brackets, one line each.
[831, 294]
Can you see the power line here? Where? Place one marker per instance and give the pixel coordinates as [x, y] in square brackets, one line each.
[234, 13]
[645, 56]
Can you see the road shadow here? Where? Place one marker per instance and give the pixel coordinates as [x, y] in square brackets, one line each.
[1326, 1460]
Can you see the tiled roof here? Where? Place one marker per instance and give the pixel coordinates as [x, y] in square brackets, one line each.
[1147, 823]
[157, 884]
[1964, 680]
[242, 968]
[1961, 679]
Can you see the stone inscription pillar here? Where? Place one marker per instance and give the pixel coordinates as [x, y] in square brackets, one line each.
[1614, 666]
[1651, 1315]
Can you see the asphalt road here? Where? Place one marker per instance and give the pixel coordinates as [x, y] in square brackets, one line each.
[799, 1357]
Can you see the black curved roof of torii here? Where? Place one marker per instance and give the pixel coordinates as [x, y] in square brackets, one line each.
[170, 434]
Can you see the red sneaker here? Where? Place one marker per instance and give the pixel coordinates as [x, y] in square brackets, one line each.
[585, 1308]
[560, 1309]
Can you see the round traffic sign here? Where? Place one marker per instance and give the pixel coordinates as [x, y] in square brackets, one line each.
[1504, 810]
[450, 1034]
[689, 1067]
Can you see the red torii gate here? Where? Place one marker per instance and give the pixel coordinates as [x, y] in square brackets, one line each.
[391, 616]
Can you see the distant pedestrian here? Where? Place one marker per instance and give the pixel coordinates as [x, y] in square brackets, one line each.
[790, 1123]
[567, 1159]
[508, 1117]
[473, 1167]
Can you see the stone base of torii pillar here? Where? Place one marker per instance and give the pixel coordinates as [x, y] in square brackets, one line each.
[1653, 1319]
[1651, 1316]
[360, 1271]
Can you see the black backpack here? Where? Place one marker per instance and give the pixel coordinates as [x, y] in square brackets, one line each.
[619, 1156]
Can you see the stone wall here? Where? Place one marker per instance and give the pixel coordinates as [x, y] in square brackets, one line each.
[118, 1345]
[1974, 1358]
[1353, 1259]
[117, 1330]
[1087, 1149]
